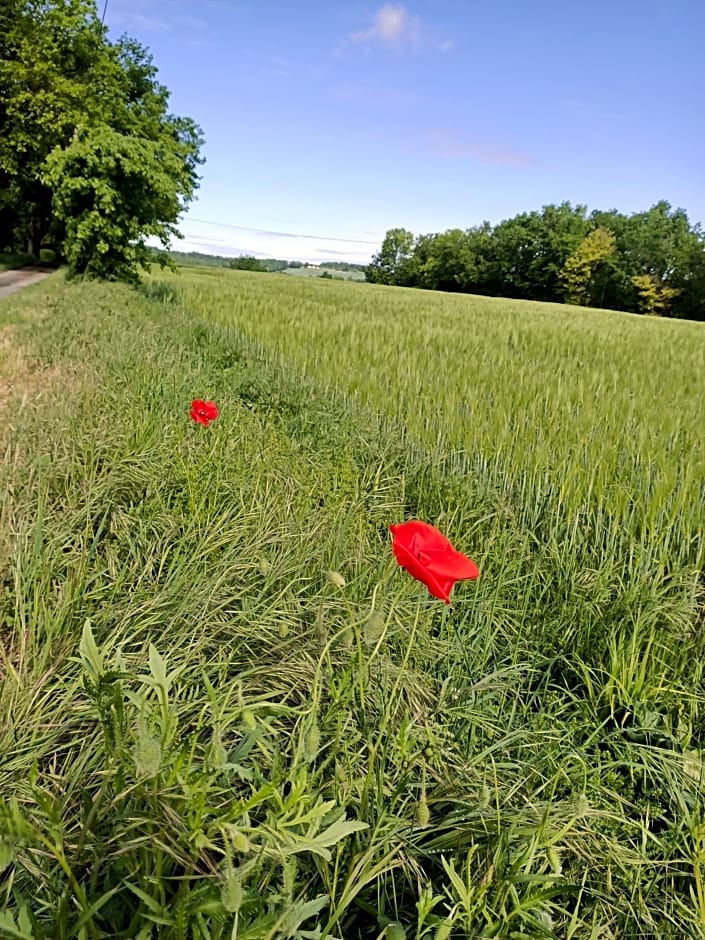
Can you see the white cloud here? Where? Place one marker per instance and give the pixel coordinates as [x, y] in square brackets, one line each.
[393, 25]
[446, 46]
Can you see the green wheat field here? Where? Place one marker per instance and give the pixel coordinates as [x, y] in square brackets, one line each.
[225, 712]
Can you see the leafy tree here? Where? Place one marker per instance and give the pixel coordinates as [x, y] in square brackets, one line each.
[690, 280]
[529, 251]
[47, 51]
[653, 260]
[661, 245]
[273, 264]
[578, 274]
[445, 261]
[246, 263]
[394, 263]
[71, 102]
[111, 191]
[653, 296]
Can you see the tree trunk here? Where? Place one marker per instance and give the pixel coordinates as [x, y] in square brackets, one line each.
[37, 230]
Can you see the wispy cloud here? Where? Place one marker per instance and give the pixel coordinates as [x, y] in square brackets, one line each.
[393, 25]
[150, 17]
[375, 97]
[451, 145]
[151, 24]
[333, 252]
[446, 46]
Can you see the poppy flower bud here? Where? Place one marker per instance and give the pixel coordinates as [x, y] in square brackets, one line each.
[336, 579]
[374, 627]
[423, 813]
[485, 797]
[249, 719]
[582, 805]
[231, 894]
[395, 932]
[312, 739]
[554, 860]
[240, 842]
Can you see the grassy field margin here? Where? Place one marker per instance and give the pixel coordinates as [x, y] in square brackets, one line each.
[205, 735]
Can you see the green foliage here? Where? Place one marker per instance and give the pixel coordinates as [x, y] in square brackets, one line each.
[191, 258]
[445, 261]
[343, 266]
[53, 75]
[76, 111]
[11, 260]
[529, 251]
[111, 191]
[246, 263]
[559, 253]
[654, 297]
[393, 263]
[579, 273]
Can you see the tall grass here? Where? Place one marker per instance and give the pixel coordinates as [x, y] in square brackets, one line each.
[205, 735]
[584, 408]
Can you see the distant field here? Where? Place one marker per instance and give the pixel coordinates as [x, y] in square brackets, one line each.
[226, 712]
[591, 416]
[334, 272]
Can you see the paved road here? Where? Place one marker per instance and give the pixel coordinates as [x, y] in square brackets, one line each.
[11, 281]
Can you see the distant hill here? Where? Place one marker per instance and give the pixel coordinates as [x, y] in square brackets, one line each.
[198, 258]
[250, 263]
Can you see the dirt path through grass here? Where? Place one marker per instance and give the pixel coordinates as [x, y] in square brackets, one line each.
[12, 281]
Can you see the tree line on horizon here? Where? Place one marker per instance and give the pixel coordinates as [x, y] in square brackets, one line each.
[648, 262]
[252, 263]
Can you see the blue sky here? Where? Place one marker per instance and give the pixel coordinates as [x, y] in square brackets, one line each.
[341, 120]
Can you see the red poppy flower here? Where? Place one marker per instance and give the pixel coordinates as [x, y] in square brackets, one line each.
[429, 557]
[203, 411]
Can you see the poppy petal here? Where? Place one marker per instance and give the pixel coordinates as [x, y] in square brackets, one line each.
[438, 587]
[429, 557]
[451, 565]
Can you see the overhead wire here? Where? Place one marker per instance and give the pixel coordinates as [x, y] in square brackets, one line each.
[263, 231]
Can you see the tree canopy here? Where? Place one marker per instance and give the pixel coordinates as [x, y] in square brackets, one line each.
[91, 160]
[648, 262]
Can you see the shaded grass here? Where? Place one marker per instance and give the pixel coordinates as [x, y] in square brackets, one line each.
[10, 261]
[195, 718]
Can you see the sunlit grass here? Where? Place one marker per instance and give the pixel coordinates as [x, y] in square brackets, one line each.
[207, 735]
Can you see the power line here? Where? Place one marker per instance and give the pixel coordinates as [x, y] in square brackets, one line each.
[264, 231]
[105, 7]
